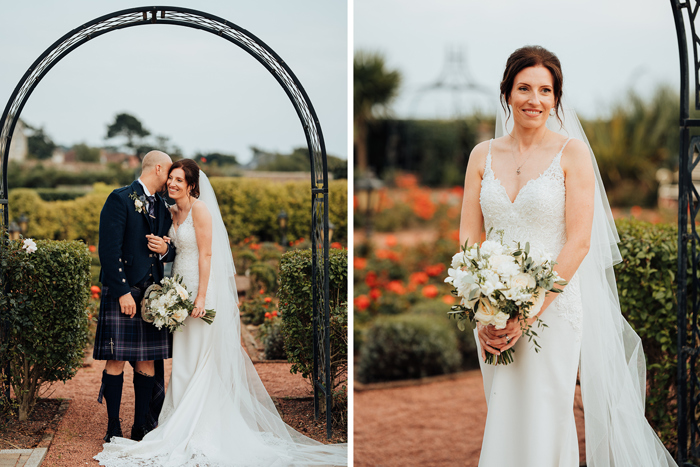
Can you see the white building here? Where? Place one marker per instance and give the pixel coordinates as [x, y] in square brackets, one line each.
[18, 146]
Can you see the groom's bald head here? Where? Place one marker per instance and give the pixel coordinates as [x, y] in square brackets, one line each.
[154, 169]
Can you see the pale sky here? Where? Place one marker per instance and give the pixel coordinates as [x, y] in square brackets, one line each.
[605, 46]
[203, 92]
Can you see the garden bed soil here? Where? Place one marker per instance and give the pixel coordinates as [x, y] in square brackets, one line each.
[438, 423]
[42, 422]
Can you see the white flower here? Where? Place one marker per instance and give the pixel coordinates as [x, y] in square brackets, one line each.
[489, 248]
[522, 281]
[537, 303]
[457, 260]
[180, 314]
[138, 204]
[500, 320]
[29, 245]
[486, 312]
[490, 282]
[539, 256]
[182, 292]
[504, 265]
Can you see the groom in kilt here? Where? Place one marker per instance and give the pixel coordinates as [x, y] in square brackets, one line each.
[132, 250]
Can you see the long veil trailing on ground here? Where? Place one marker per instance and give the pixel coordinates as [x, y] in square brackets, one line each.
[612, 368]
[231, 419]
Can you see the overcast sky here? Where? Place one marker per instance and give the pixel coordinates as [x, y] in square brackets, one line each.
[605, 46]
[203, 92]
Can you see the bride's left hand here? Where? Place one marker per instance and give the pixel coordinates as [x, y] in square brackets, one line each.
[504, 339]
[198, 310]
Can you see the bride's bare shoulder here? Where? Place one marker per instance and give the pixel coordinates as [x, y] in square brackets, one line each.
[478, 154]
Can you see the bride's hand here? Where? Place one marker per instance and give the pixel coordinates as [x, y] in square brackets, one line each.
[485, 334]
[198, 310]
[504, 339]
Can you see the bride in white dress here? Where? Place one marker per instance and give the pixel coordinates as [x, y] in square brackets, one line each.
[216, 410]
[538, 184]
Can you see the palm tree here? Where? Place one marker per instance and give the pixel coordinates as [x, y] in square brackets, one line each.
[374, 88]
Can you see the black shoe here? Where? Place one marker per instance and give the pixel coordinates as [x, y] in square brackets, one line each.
[114, 428]
[138, 432]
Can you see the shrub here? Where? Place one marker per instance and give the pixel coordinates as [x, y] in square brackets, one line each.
[253, 309]
[407, 346]
[466, 344]
[46, 308]
[646, 282]
[296, 307]
[273, 339]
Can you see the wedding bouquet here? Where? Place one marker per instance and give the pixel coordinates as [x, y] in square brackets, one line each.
[167, 304]
[496, 283]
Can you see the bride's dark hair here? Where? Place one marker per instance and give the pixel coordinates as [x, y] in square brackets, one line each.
[525, 57]
[191, 170]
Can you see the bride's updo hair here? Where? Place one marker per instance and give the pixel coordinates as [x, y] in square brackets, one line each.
[525, 57]
[191, 170]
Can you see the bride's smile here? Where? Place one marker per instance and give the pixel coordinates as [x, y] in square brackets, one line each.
[532, 96]
[177, 186]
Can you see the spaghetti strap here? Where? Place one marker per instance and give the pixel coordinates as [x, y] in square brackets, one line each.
[562, 148]
[487, 162]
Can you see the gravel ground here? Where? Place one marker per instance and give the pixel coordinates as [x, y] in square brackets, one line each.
[434, 424]
[79, 436]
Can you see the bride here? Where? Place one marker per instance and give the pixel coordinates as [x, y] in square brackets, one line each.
[216, 410]
[538, 182]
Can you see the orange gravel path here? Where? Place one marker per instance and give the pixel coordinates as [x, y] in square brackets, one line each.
[435, 424]
[79, 436]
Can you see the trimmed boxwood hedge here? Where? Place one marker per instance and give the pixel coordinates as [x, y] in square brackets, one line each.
[646, 282]
[46, 307]
[408, 346]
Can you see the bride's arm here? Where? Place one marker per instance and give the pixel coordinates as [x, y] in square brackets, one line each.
[471, 220]
[202, 228]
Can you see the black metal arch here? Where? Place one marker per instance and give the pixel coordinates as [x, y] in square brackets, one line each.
[285, 77]
[688, 454]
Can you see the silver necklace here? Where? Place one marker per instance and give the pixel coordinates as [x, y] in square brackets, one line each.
[512, 153]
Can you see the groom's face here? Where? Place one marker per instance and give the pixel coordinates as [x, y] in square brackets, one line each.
[162, 174]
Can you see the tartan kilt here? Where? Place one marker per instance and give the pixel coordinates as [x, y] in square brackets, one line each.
[119, 337]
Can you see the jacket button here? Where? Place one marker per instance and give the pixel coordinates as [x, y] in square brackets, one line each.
[150, 275]
[120, 269]
[123, 280]
[120, 259]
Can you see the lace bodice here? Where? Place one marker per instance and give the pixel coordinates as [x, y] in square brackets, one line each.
[537, 215]
[186, 263]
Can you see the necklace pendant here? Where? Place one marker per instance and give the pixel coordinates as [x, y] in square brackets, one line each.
[517, 171]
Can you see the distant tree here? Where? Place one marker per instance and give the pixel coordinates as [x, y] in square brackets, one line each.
[85, 153]
[130, 127]
[39, 145]
[216, 158]
[374, 88]
[297, 161]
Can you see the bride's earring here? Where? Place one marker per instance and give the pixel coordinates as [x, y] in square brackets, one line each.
[552, 112]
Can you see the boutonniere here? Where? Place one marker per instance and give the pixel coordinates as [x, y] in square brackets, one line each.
[139, 202]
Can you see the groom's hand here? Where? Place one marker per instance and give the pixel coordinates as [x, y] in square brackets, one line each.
[157, 244]
[127, 305]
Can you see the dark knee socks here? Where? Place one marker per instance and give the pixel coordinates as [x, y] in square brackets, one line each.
[113, 393]
[143, 389]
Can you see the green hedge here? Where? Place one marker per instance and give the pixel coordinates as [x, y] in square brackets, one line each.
[646, 282]
[249, 207]
[47, 312]
[296, 308]
[408, 346]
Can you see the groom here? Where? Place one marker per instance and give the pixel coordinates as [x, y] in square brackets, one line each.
[132, 251]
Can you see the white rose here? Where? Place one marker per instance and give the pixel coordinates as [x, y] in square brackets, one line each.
[138, 204]
[490, 282]
[536, 303]
[522, 281]
[182, 292]
[486, 312]
[500, 320]
[29, 245]
[180, 314]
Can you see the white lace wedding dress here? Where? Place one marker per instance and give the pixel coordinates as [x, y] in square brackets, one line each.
[216, 410]
[530, 420]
